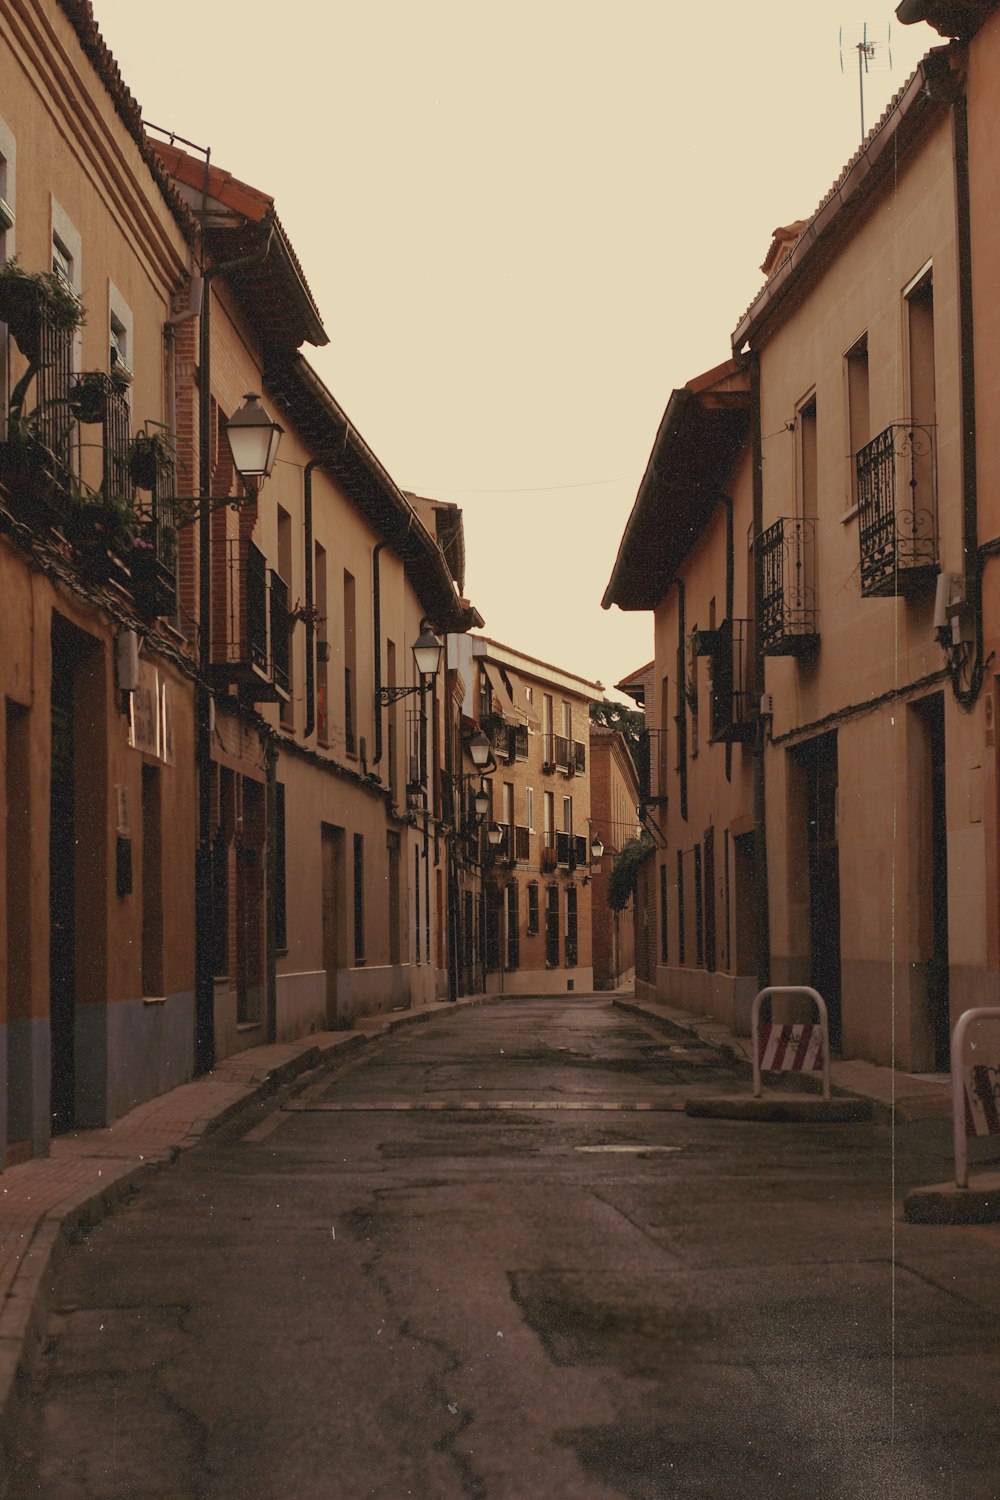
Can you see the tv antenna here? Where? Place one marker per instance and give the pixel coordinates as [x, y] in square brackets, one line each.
[871, 52]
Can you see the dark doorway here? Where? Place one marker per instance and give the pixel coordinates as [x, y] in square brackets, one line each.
[62, 886]
[709, 878]
[819, 761]
[332, 876]
[931, 888]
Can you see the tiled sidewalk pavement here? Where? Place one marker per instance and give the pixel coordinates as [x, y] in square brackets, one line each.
[899, 1096]
[44, 1203]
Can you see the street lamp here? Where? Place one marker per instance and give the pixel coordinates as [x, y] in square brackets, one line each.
[596, 848]
[253, 438]
[494, 835]
[427, 658]
[481, 802]
[480, 749]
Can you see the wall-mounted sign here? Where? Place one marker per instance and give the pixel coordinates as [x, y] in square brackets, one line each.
[151, 719]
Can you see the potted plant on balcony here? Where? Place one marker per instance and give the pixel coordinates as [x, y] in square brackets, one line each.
[31, 299]
[30, 473]
[150, 455]
[88, 396]
[101, 528]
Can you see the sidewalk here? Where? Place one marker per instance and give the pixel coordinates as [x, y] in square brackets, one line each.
[45, 1204]
[902, 1097]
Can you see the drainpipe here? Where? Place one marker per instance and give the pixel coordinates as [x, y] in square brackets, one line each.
[307, 520]
[377, 630]
[204, 1040]
[762, 920]
[972, 561]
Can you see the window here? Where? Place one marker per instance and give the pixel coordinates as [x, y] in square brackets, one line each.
[359, 898]
[567, 808]
[529, 809]
[62, 260]
[807, 483]
[350, 666]
[322, 653]
[859, 427]
[285, 571]
[680, 907]
[552, 926]
[920, 340]
[531, 927]
[572, 956]
[513, 926]
[121, 352]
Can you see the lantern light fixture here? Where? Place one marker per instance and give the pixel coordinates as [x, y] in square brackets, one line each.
[253, 439]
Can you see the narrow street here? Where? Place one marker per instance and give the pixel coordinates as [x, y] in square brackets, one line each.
[491, 1257]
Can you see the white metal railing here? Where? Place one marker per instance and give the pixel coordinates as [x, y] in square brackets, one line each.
[974, 1104]
[798, 1047]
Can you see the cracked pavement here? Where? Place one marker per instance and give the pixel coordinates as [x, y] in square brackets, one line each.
[459, 1300]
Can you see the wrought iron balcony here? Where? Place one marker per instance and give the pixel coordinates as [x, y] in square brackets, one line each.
[522, 844]
[571, 851]
[153, 564]
[788, 621]
[579, 757]
[556, 751]
[897, 509]
[734, 716]
[250, 642]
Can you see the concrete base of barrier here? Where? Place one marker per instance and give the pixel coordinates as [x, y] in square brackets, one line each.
[944, 1203]
[803, 1109]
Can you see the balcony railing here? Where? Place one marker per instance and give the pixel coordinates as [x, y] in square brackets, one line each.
[154, 559]
[497, 731]
[251, 648]
[522, 844]
[556, 751]
[788, 622]
[579, 757]
[897, 509]
[733, 709]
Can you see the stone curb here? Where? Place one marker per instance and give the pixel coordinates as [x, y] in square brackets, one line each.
[944, 1203]
[803, 1109]
[713, 1034]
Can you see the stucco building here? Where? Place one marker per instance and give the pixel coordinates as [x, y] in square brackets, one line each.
[855, 695]
[684, 556]
[222, 818]
[535, 921]
[614, 802]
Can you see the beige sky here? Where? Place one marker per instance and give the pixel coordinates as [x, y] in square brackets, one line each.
[524, 226]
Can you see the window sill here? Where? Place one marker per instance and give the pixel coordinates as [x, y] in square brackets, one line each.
[249, 1025]
[849, 515]
[154, 999]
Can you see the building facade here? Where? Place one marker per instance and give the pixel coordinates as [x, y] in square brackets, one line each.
[685, 556]
[222, 816]
[535, 912]
[614, 802]
[859, 781]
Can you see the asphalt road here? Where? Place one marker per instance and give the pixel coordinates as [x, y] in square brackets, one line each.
[408, 1282]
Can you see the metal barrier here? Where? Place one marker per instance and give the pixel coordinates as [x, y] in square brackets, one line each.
[800, 1048]
[974, 1093]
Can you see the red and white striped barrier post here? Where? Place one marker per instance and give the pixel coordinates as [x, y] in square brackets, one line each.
[801, 1048]
[974, 1091]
